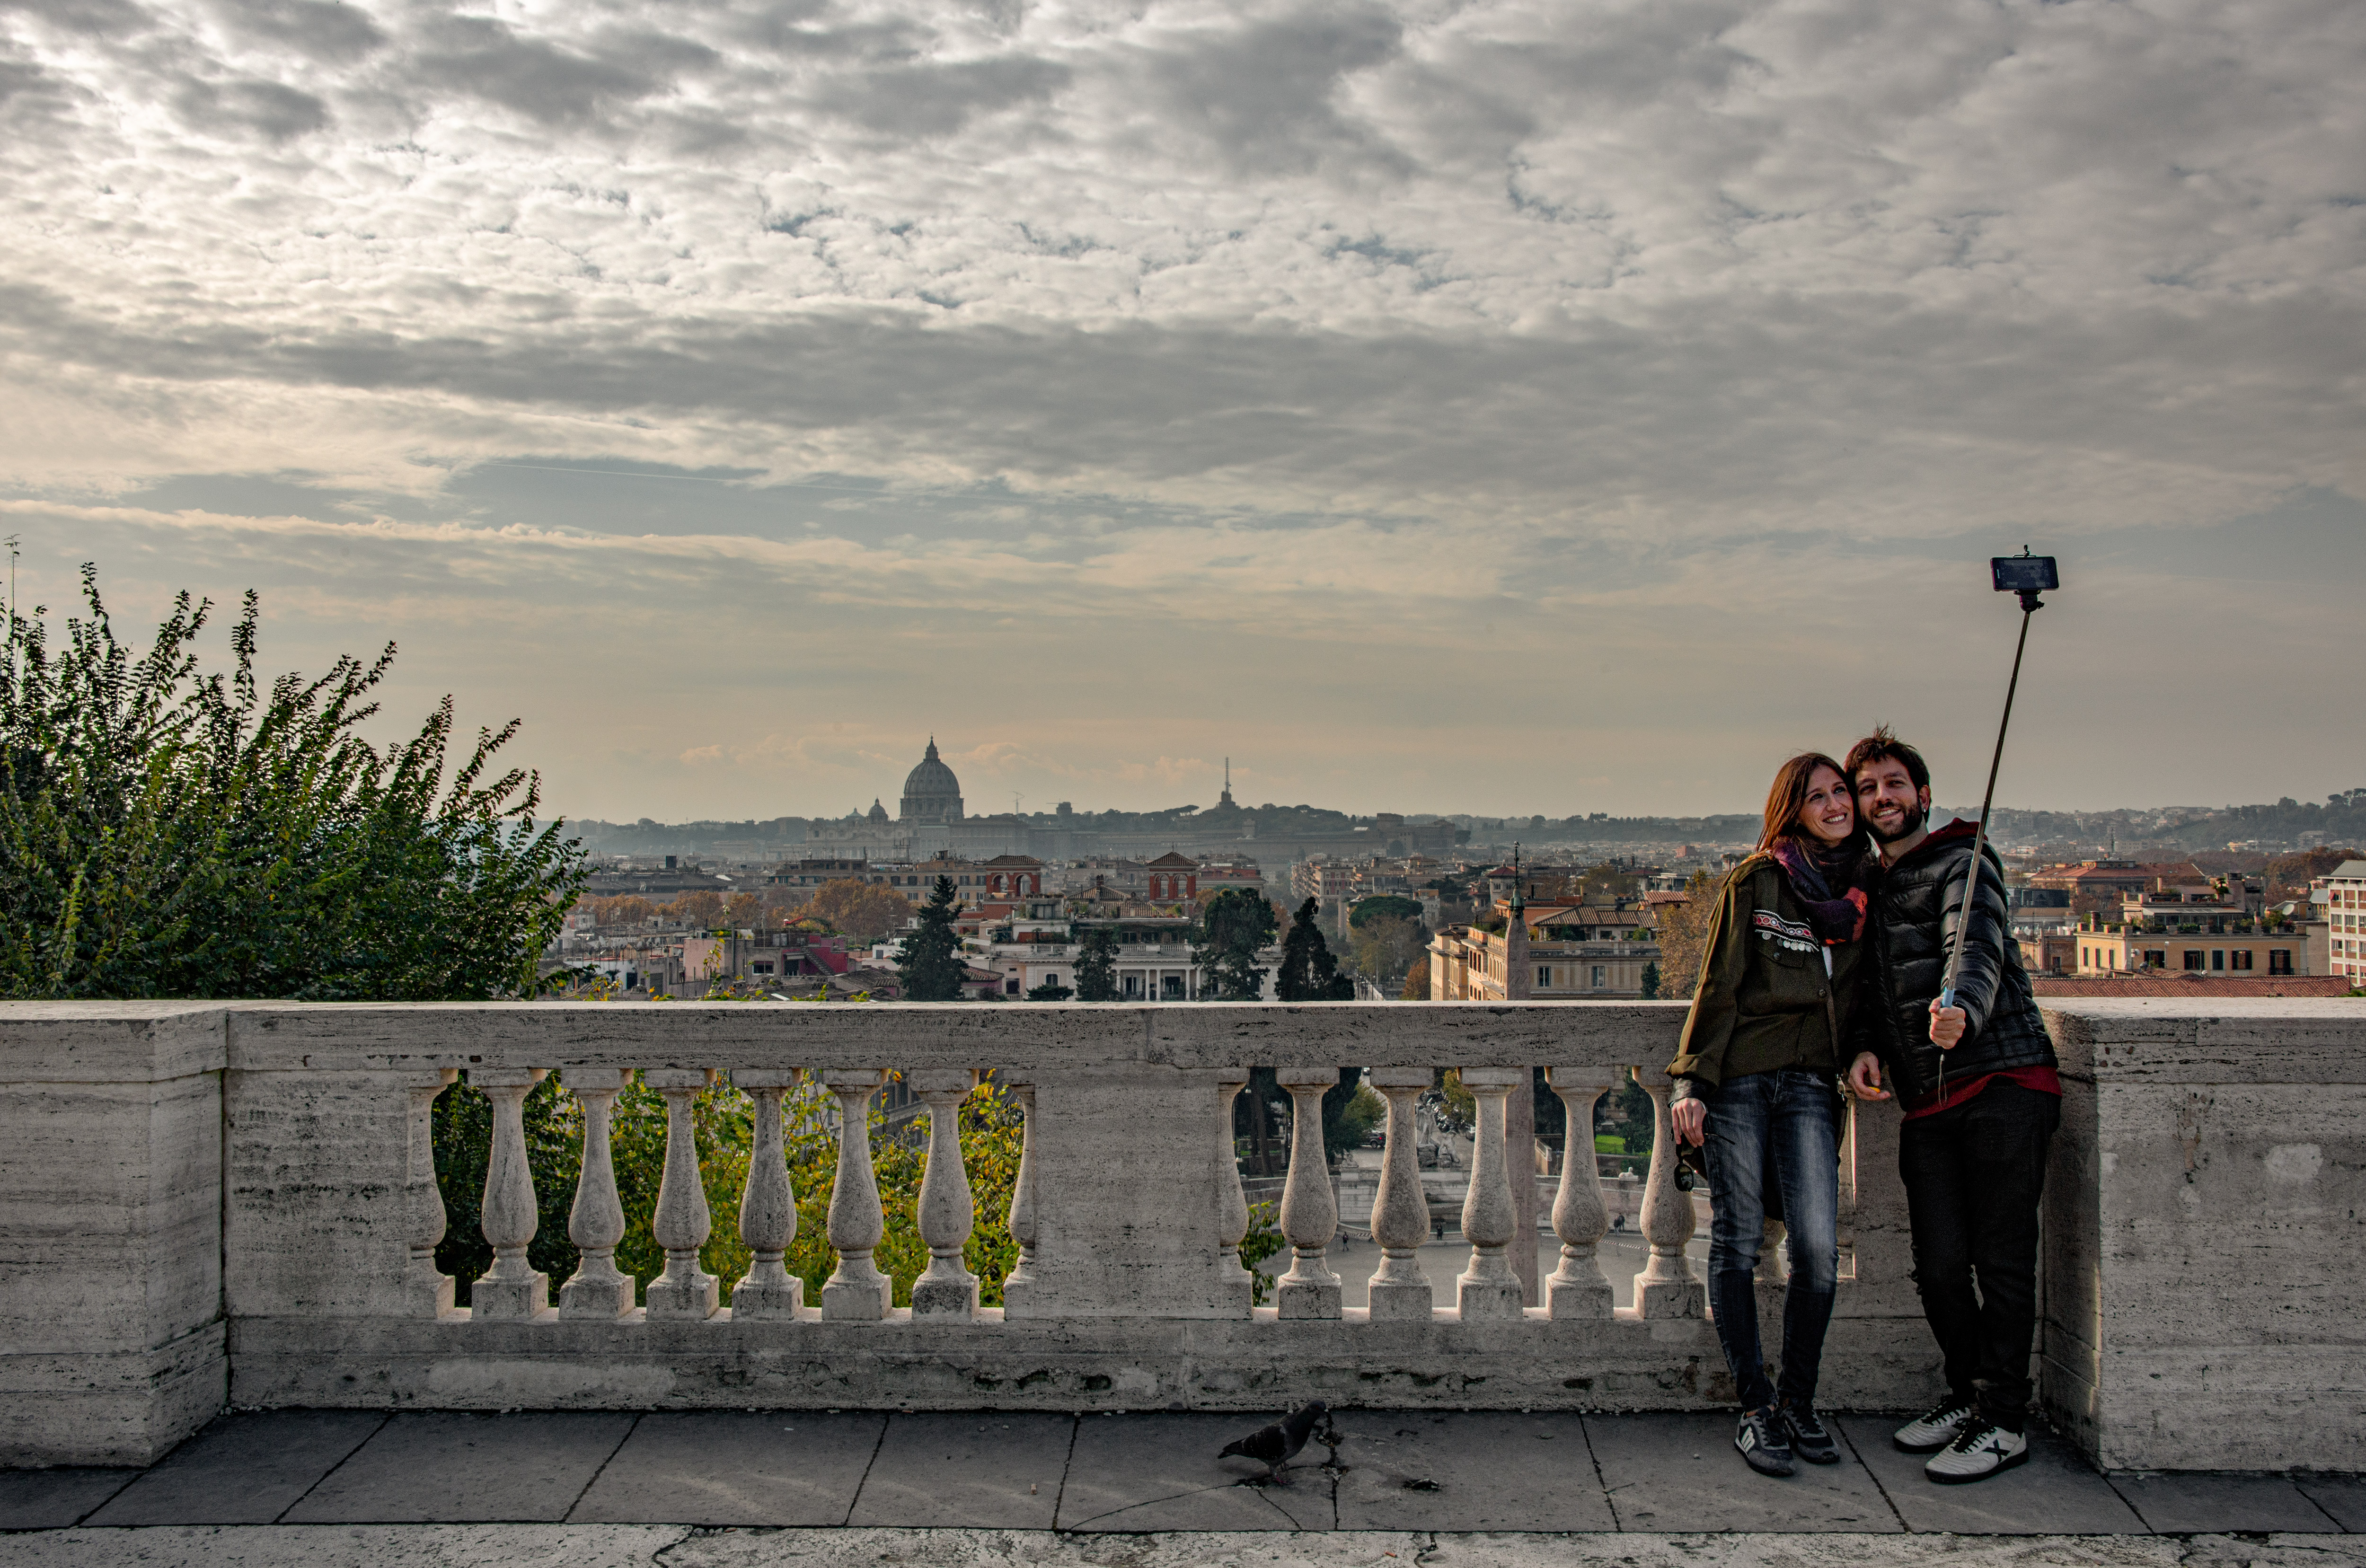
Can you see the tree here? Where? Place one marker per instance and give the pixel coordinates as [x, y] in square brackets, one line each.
[931, 966]
[1388, 946]
[1416, 985]
[1309, 972]
[1096, 967]
[1684, 936]
[1234, 924]
[699, 911]
[863, 911]
[1049, 991]
[168, 834]
[1350, 1112]
[1650, 982]
[625, 909]
[1387, 907]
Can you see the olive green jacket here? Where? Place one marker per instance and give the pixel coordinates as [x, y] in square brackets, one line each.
[1766, 1001]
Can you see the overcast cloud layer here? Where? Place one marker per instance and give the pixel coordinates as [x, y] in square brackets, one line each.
[1515, 406]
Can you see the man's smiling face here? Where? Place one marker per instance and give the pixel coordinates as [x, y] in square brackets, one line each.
[1889, 801]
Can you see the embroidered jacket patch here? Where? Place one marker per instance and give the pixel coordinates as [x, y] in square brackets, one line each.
[1772, 926]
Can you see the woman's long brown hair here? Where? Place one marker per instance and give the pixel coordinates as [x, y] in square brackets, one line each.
[1789, 793]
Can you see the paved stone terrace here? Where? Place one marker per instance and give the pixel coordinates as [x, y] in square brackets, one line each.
[1414, 1477]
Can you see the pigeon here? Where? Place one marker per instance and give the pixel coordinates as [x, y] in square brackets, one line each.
[1277, 1444]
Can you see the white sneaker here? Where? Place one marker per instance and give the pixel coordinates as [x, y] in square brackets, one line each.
[1979, 1451]
[1934, 1428]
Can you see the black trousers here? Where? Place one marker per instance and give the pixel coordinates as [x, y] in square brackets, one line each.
[1973, 1174]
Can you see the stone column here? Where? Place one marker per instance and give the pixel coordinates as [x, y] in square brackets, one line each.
[856, 1290]
[1488, 1288]
[1400, 1212]
[768, 1207]
[948, 1212]
[427, 1291]
[1232, 1203]
[1310, 1210]
[1520, 1165]
[1577, 1289]
[598, 1288]
[682, 1221]
[512, 1287]
[1666, 1287]
[1019, 1281]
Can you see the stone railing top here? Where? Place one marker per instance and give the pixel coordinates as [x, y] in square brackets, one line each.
[2298, 1040]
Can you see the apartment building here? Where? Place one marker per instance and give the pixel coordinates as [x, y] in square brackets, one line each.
[2345, 919]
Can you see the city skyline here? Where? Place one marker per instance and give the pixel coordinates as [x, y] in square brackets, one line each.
[1503, 404]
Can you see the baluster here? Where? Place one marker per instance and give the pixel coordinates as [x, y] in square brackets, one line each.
[598, 1288]
[1019, 1281]
[1400, 1211]
[426, 1292]
[1310, 1209]
[512, 1287]
[1489, 1288]
[1577, 1289]
[682, 1221]
[1666, 1287]
[1232, 1203]
[856, 1290]
[948, 1212]
[768, 1206]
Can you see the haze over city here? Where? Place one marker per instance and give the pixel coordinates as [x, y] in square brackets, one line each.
[1504, 409]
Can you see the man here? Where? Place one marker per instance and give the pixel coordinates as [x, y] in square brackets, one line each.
[1978, 1085]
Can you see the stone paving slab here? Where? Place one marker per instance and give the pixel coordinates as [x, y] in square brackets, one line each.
[52, 1499]
[243, 1469]
[2341, 1496]
[1488, 1470]
[734, 1467]
[1680, 1473]
[989, 1469]
[2057, 1492]
[452, 1467]
[675, 1546]
[1161, 1473]
[2178, 1503]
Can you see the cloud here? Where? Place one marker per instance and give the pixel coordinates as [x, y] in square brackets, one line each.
[1183, 346]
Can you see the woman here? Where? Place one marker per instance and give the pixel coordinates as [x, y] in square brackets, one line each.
[1755, 1082]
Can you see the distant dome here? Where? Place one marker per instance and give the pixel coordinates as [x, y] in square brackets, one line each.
[932, 793]
[878, 812]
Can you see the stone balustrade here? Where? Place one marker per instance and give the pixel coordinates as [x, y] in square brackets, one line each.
[210, 1205]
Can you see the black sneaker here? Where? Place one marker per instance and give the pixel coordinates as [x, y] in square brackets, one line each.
[1759, 1440]
[1934, 1428]
[1808, 1439]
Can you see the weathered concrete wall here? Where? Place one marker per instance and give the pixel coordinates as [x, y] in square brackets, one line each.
[111, 1334]
[2206, 1235]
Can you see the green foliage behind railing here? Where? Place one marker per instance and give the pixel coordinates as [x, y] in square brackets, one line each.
[722, 1117]
[166, 833]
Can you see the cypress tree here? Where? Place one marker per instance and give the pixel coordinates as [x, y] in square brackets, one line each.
[1310, 973]
[1235, 925]
[932, 966]
[1096, 968]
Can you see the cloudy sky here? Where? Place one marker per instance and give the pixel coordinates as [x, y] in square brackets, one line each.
[1543, 405]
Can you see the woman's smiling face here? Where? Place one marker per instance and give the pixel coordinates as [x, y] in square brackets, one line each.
[1829, 814]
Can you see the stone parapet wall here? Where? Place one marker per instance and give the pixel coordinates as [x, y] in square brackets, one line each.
[2206, 1262]
[202, 1203]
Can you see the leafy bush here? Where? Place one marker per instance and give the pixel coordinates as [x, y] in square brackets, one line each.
[167, 833]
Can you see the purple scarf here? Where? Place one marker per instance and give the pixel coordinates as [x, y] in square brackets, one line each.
[1815, 873]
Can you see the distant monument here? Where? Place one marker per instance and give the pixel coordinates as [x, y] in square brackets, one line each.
[932, 796]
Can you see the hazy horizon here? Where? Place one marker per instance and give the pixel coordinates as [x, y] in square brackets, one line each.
[1574, 408]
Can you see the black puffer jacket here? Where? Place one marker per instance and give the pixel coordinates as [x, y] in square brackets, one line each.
[1914, 918]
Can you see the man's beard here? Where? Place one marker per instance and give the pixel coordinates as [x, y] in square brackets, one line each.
[1908, 825]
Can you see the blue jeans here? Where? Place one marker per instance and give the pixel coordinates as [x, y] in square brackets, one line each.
[1779, 1129]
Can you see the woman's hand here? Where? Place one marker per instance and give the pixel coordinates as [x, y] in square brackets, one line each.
[1690, 1119]
[1864, 1076]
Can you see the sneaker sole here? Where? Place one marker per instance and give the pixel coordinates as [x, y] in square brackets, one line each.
[2002, 1466]
[1820, 1456]
[1767, 1469]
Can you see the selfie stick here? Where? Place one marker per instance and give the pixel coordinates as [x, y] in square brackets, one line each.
[2028, 575]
